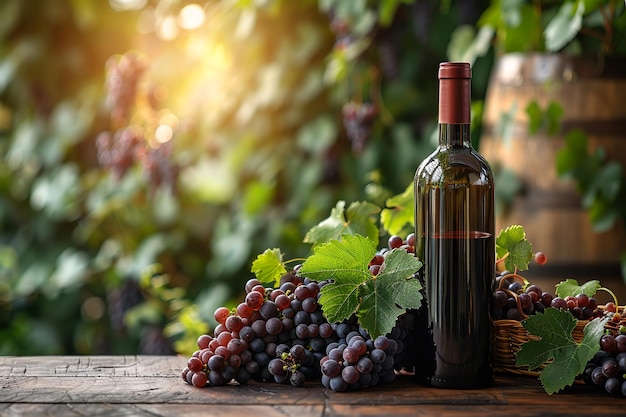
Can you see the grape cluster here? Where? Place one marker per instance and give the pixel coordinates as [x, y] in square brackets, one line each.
[285, 324]
[281, 335]
[118, 151]
[608, 366]
[122, 80]
[356, 361]
[358, 119]
[394, 242]
[514, 298]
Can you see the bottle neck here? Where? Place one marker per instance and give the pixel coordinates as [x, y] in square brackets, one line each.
[454, 105]
[454, 135]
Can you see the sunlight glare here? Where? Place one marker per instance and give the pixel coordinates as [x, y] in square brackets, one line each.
[124, 5]
[191, 17]
[163, 134]
[168, 29]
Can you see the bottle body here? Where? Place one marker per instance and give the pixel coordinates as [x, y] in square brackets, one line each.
[455, 239]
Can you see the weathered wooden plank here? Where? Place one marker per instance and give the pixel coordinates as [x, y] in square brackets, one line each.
[159, 410]
[333, 410]
[144, 365]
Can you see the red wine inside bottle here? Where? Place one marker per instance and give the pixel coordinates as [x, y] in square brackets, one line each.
[455, 222]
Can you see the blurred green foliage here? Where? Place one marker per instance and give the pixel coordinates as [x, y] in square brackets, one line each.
[93, 263]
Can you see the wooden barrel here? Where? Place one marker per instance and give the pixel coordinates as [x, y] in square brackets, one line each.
[593, 98]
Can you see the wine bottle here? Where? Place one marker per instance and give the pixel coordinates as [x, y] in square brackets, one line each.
[454, 223]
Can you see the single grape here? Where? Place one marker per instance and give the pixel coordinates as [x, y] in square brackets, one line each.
[274, 326]
[298, 352]
[199, 379]
[223, 352]
[195, 364]
[235, 346]
[331, 368]
[251, 283]
[378, 356]
[297, 379]
[282, 302]
[613, 385]
[620, 343]
[525, 300]
[203, 341]
[350, 374]
[513, 314]
[607, 343]
[378, 259]
[302, 292]
[381, 342]
[500, 298]
[597, 376]
[220, 315]
[534, 288]
[558, 302]
[233, 323]
[216, 363]
[309, 305]
[410, 239]
[244, 311]
[350, 355]
[277, 367]
[374, 269]
[546, 299]
[268, 309]
[610, 368]
[582, 300]
[254, 300]
[395, 242]
[338, 384]
[365, 365]
[540, 258]
[610, 307]
[515, 287]
[359, 345]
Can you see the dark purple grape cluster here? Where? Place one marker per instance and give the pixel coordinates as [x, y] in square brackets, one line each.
[122, 80]
[118, 151]
[607, 368]
[284, 323]
[358, 119]
[514, 299]
[281, 335]
[356, 361]
[159, 167]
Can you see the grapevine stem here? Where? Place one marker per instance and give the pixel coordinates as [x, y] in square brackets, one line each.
[612, 294]
[499, 261]
[295, 260]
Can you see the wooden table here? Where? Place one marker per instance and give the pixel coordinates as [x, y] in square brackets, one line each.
[152, 386]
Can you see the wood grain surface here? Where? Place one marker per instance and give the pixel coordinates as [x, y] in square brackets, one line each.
[152, 386]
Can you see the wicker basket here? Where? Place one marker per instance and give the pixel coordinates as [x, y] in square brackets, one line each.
[509, 337]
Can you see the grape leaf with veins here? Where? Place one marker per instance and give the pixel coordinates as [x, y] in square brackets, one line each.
[376, 300]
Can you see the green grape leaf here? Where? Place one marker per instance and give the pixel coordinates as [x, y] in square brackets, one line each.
[554, 114]
[535, 116]
[359, 218]
[377, 301]
[512, 244]
[399, 212]
[388, 295]
[565, 25]
[269, 267]
[557, 345]
[570, 287]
